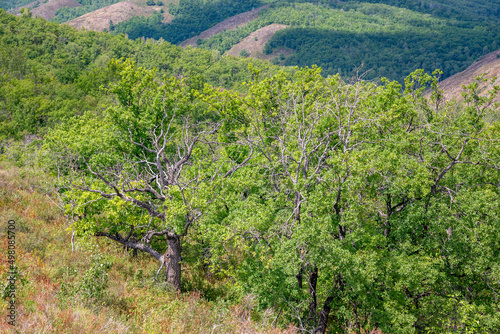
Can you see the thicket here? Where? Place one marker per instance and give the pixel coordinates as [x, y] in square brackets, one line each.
[389, 42]
[477, 10]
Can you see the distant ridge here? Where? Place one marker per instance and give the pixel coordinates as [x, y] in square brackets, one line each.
[229, 24]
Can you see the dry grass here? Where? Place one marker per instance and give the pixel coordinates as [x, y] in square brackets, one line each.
[229, 24]
[488, 65]
[48, 9]
[255, 42]
[132, 302]
[122, 11]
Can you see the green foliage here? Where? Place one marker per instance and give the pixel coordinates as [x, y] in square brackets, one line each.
[91, 285]
[375, 193]
[388, 41]
[50, 73]
[13, 4]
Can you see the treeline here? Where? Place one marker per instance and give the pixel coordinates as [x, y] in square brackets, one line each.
[386, 41]
[191, 17]
[51, 72]
[390, 55]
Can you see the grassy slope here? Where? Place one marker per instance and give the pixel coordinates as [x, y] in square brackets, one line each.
[489, 65]
[49, 8]
[227, 25]
[255, 42]
[98, 20]
[130, 304]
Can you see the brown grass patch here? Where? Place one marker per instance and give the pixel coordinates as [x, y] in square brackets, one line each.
[98, 20]
[229, 24]
[255, 42]
[48, 9]
[488, 65]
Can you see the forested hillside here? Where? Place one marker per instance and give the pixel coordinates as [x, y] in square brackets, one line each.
[56, 73]
[379, 38]
[152, 188]
[11, 4]
[386, 41]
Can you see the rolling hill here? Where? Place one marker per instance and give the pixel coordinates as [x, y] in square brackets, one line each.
[100, 19]
[226, 25]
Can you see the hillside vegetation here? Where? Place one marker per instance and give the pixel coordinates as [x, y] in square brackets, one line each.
[105, 18]
[49, 72]
[161, 189]
[376, 38]
[380, 40]
[80, 285]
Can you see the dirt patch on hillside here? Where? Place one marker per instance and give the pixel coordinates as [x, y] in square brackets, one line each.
[99, 19]
[254, 43]
[48, 9]
[230, 24]
[488, 65]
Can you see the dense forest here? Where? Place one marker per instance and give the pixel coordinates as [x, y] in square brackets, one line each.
[271, 199]
[388, 41]
[381, 38]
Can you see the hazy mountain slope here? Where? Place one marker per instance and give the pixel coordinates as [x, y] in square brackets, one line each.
[226, 25]
[488, 65]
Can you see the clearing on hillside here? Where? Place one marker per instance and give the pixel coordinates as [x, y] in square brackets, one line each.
[488, 65]
[254, 43]
[229, 24]
[49, 8]
[99, 19]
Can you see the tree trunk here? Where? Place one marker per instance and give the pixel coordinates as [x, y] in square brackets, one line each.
[313, 280]
[323, 316]
[173, 263]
